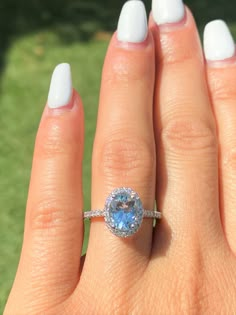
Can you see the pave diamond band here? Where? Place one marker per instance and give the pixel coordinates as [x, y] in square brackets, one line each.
[149, 214]
[94, 214]
[123, 212]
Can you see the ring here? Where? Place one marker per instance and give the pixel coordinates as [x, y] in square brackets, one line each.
[123, 212]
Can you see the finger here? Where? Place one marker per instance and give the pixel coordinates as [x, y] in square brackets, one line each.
[124, 149]
[49, 266]
[221, 69]
[187, 164]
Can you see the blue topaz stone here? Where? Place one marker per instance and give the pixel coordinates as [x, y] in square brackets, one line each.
[123, 212]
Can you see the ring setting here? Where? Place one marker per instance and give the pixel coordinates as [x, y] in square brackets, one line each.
[123, 212]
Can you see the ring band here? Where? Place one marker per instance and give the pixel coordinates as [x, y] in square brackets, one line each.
[123, 212]
[148, 214]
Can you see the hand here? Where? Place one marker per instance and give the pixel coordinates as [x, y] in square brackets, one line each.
[178, 150]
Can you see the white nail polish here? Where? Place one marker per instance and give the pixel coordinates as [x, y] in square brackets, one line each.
[218, 41]
[60, 91]
[167, 11]
[132, 25]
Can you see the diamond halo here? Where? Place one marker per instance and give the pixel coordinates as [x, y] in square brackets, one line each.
[123, 212]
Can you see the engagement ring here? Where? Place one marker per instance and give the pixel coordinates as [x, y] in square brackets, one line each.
[123, 212]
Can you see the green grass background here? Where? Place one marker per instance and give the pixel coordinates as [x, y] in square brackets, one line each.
[27, 64]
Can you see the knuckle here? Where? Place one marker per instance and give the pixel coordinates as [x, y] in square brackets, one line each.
[117, 309]
[122, 306]
[222, 91]
[171, 59]
[52, 140]
[225, 93]
[229, 159]
[185, 297]
[123, 156]
[46, 218]
[121, 70]
[53, 215]
[188, 135]
[173, 55]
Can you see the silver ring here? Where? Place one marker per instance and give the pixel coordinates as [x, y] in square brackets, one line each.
[123, 212]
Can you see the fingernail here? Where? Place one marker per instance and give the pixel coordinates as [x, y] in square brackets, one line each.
[218, 41]
[132, 25]
[60, 91]
[168, 11]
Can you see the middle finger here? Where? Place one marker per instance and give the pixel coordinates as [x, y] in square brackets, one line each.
[187, 164]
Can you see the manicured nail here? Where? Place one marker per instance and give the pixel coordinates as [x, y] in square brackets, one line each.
[132, 25]
[60, 91]
[218, 41]
[168, 11]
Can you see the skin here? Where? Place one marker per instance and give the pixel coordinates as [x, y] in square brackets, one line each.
[178, 148]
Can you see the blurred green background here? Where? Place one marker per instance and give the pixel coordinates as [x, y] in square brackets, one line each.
[35, 35]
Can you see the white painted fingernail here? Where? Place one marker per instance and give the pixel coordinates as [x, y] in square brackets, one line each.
[218, 41]
[60, 91]
[132, 25]
[167, 11]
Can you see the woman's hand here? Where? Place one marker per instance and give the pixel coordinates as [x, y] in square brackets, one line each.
[178, 148]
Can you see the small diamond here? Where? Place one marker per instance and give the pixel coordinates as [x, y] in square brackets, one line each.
[123, 212]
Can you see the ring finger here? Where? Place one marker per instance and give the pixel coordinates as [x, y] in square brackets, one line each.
[124, 151]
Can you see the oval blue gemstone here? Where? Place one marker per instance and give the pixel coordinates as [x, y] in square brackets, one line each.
[124, 212]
